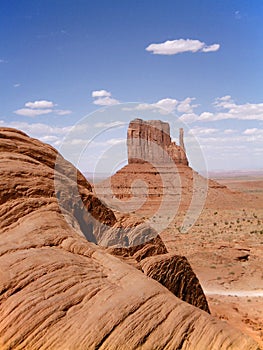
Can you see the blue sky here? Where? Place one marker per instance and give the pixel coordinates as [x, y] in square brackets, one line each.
[200, 60]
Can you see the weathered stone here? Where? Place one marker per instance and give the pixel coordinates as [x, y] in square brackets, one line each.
[59, 291]
[175, 273]
[150, 141]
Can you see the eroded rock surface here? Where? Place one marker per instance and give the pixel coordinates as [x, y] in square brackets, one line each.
[172, 271]
[175, 273]
[150, 141]
[59, 291]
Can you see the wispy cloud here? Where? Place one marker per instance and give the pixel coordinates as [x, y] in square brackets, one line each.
[174, 47]
[103, 98]
[117, 123]
[40, 104]
[168, 105]
[237, 15]
[27, 112]
[62, 111]
[44, 132]
[100, 93]
[16, 85]
[228, 109]
[40, 107]
[253, 131]
[200, 131]
[106, 101]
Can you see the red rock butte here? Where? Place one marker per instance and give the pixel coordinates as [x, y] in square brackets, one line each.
[150, 141]
[157, 174]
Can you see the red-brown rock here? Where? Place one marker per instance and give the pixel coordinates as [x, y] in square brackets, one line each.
[150, 141]
[59, 291]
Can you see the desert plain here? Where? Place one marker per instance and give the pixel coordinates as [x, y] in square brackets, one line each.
[224, 245]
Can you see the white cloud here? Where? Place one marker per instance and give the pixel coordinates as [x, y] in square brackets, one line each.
[231, 110]
[16, 85]
[106, 101]
[200, 131]
[164, 106]
[205, 116]
[100, 93]
[40, 104]
[253, 131]
[185, 106]
[38, 129]
[27, 112]
[231, 150]
[169, 105]
[229, 131]
[40, 107]
[224, 102]
[117, 123]
[116, 141]
[189, 117]
[103, 98]
[173, 47]
[62, 111]
[211, 48]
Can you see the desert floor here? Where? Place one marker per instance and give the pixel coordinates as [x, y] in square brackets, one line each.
[225, 249]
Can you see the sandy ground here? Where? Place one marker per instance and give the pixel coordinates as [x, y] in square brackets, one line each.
[225, 249]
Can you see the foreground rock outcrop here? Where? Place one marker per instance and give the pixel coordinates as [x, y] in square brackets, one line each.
[172, 271]
[59, 291]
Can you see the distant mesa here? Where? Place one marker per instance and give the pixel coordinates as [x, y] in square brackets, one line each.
[150, 141]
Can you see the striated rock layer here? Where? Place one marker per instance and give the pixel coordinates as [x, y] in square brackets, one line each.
[59, 291]
[150, 141]
[158, 179]
[172, 271]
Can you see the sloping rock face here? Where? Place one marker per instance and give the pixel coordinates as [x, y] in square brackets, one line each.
[172, 271]
[175, 273]
[150, 141]
[59, 291]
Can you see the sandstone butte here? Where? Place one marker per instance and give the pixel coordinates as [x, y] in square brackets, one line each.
[158, 176]
[60, 291]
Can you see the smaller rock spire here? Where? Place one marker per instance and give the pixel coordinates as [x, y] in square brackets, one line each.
[181, 139]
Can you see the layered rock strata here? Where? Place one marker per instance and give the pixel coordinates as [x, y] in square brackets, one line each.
[172, 271]
[157, 178]
[150, 141]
